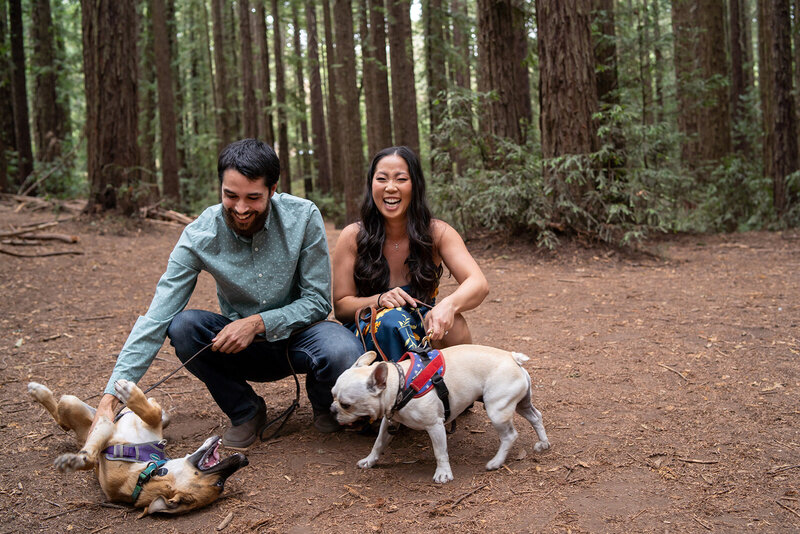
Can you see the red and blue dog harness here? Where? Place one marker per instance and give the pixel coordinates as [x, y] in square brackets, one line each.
[426, 373]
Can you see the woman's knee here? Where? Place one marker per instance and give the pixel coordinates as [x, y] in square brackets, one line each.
[458, 334]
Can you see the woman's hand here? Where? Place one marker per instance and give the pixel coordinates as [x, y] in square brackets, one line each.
[395, 298]
[439, 320]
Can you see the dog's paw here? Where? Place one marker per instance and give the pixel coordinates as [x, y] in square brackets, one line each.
[494, 464]
[67, 463]
[442, 475]
[38, 391]
[366, 463]
[124, 389]
[541, 446]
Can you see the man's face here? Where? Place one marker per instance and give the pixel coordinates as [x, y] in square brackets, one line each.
[245, 202]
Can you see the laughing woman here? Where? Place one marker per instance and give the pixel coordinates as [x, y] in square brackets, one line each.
[394, 255]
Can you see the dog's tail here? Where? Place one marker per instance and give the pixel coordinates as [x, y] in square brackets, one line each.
[519, 358]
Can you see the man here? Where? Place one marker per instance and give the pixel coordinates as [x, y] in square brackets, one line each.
[268, 255]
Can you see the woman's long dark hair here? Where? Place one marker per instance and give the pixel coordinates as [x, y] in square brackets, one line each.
[371, 271]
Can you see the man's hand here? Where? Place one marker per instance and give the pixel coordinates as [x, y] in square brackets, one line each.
[238, 335]
[108, 405]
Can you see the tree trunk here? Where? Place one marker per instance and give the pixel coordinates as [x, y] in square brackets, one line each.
[568, 89]
[715, 127]
[234, 64]
[350, 115]
[177, 85]
[784, 152]
[166, 105]
[223, 112]
[280, 96]
[765, 80]
[19, 92]
[738, 88]
[249, 110]
[336, 133]
[703, 117]
[379, 102]
[502, 50]
[147, 101]
[303, 156]
[461, 109]
[7, 136]
[686, 46]
[264, 93]
[109, 64]
[436, 69]
[317, 103]
[605, 51]
[404, 95]
[659, 61]
[49, 116]
[645, 74]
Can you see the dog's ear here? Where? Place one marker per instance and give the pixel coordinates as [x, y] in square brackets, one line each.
[159, 504]
[365, 359]
[377, 380]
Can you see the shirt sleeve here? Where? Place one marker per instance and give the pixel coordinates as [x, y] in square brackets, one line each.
[314, 284]
[172, 295]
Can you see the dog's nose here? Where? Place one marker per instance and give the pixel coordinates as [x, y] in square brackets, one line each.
[333, 408]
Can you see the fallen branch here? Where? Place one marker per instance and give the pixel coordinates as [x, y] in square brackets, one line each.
[41, 255]
[693, 461]
[667, 367]
[20, 231]
[782, 468]
[785, 507]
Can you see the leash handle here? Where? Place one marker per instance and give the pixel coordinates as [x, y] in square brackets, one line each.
[373, 311]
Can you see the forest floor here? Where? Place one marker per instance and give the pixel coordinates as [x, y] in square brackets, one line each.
[668, 381]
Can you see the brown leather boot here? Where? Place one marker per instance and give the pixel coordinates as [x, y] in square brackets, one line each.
[239, 437]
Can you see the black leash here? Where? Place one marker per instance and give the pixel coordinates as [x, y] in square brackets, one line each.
[282, 418]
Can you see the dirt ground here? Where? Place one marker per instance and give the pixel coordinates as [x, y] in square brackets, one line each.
[668, 383]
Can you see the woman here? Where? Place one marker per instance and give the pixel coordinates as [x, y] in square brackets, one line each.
[394, 255]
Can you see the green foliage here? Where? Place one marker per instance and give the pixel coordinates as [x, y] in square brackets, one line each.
[332, 209]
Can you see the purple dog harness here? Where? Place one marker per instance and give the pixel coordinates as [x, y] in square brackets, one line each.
[151, 452]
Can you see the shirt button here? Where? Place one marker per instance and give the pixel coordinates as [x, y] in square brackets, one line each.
[256, 249]
[263, 302]
[259, 275]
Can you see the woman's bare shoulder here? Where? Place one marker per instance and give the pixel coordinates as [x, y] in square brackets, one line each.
[439, 229]
[348, 234]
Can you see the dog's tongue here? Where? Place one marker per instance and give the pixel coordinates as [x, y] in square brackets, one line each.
[213, 458]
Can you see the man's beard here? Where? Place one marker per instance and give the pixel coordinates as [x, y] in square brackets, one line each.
[247, 231]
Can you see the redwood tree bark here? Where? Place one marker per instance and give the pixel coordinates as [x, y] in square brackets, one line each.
[320, 140]
[264, 93]
[166, 105]
[436, 69]
[404, 95]
[335, 131]
[738, 86]
[304, 167]
[765, 80]
[784, 152]
[280, 96]
[502, 49]
[568, 89]
[249, 110]
[19, 92]
[350, 115]
[223, 112]
[109, 64]
[605, 51]
[379, 102]
[147, 101]
[6, 108]
[49, 115]
[703, 115]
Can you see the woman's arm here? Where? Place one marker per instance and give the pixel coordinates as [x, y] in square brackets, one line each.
[472, 285]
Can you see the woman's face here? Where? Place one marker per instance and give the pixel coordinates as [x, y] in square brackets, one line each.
[391, 187]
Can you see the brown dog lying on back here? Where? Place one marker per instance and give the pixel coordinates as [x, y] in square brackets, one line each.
[127, 454]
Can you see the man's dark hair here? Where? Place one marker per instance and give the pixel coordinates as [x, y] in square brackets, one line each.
[252, 158]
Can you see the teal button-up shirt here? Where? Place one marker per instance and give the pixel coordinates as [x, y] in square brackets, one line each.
[282, 273]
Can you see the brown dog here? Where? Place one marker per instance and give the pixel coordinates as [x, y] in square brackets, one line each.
[128, 458]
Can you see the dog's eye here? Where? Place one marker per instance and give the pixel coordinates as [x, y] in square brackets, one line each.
[344, 405]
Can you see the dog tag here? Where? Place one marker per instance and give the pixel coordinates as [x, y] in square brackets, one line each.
[162, 471]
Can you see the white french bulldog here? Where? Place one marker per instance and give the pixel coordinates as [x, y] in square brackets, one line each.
[473, 372]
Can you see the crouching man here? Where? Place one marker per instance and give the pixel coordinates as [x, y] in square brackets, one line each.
[268, 255]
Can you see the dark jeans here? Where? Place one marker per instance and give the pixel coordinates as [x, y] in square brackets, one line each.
[321, 352]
